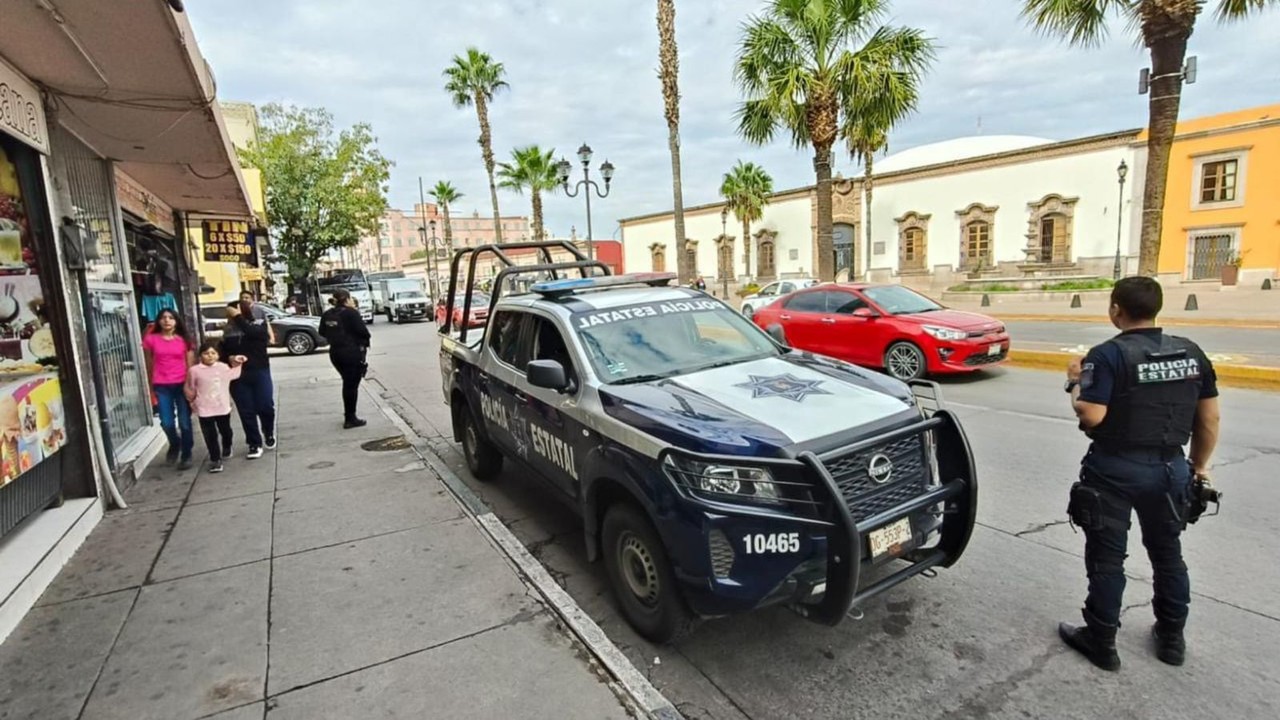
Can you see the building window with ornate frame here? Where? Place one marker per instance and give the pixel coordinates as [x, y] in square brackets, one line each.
[1050, 229]
[913, 243]
[977, 233]
[766, 254]
[691, 254]
[1209, 249]
[724, 257]
[1218, 179]
[658, 255]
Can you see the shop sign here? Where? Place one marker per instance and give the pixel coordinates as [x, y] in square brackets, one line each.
[21, 110]
[250, 274]
[229, 241]
[143, 203]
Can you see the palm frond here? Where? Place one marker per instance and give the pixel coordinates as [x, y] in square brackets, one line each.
[1232, 10]
[1081, 22]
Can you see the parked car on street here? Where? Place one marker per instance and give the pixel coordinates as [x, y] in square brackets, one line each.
[299, 334]
[887, 326]
[479, 310]
[408, 305]
[773, 291]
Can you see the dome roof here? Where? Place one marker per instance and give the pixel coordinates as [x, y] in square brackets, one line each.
[956, 149]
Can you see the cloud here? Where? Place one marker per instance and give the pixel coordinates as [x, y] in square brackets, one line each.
[586, 71]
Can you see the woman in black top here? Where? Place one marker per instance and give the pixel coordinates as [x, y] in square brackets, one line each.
[254, 392]
[348, 340]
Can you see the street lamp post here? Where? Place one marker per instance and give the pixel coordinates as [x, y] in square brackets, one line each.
[1121, 172]
[606, 171]
[724, 238]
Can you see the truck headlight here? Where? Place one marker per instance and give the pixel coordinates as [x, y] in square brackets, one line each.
[725, 481]
[944, 333]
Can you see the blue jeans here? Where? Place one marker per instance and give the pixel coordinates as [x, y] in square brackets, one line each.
[173, 405]
[1152, 483]
[254, 395]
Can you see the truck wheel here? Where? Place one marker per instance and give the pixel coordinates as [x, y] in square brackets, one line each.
[483, 459]
[904, 361]
[299, 343]
[395, 318]
[641, 576]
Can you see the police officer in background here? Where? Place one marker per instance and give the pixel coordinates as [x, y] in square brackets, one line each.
[348, 340]
[1140, 397]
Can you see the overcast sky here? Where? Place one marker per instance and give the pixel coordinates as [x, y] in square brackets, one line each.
[585, 70]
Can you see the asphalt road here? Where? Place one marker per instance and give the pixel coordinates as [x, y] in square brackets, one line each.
[1240, 346]
[979, 640]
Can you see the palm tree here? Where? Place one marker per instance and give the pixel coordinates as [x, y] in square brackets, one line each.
[746, 190]
[865, 141]
[473, 79]
[668, 72]
[531, 168]
[1164, 27]
[800, 74]
[445, 194]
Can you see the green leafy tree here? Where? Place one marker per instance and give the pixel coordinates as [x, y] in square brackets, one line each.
[418, 255]
[805, 65]
[1164, 27]
[324, 192]
[668, 74]
[534, 170]
[746, 190]
[446, 195]
[472, 80]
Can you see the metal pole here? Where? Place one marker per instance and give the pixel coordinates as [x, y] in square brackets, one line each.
[1119, 229]
[591, 247]
[431, 260]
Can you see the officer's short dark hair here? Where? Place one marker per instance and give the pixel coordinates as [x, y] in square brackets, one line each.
[1140, 298]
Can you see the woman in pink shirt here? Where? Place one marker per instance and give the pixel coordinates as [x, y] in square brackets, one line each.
[208, 390]
[169, 353]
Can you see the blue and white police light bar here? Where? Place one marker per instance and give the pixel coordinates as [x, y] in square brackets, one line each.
[570, 285]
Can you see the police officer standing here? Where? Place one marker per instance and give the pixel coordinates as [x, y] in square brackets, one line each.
[348, 340]
[1140, 397]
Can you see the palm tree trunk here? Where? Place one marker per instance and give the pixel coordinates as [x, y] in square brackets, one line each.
[868, 184]
[669, 63]
[825, 262]
[746, 245]
[448, 229]
[537, 215]
[1167, 55]
[486, 150]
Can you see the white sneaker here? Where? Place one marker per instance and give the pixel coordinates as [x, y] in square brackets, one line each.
[254, 453]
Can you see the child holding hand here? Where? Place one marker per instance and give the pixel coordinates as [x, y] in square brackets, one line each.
[208, 391]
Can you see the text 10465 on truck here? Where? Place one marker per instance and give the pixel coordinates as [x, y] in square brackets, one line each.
[715, 470]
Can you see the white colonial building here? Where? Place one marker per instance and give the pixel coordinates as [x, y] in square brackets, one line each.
[982, 207]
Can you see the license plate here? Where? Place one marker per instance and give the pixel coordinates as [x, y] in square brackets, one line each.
[994, 349]
[889, 537]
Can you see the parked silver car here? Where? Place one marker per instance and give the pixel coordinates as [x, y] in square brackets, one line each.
[773, 291]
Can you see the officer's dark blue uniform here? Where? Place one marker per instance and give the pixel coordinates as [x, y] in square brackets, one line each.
[1151, 384]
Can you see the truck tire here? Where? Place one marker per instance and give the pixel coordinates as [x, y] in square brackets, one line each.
[641, 576]
[483, 459]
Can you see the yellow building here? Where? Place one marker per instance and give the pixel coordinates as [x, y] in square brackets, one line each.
[1222, 201]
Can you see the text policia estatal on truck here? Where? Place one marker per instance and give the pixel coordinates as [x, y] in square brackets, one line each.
[715, 469]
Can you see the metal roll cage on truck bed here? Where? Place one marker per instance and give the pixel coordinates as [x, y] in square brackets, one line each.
[899, 487]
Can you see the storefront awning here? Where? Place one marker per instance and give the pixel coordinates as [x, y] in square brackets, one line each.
[129, 80]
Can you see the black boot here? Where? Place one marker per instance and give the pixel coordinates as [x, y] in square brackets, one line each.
[1171, 646]
[1095, 640]
[354, 422]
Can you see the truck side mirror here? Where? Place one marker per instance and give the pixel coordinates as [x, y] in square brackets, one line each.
[548, 374]
[778, 334]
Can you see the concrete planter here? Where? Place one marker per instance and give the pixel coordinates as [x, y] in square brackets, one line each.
[999, 298]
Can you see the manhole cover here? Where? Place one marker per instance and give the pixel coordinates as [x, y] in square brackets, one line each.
[392, 443]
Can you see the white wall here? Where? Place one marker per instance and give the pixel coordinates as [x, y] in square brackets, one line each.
[791, 218]
[1090, 176]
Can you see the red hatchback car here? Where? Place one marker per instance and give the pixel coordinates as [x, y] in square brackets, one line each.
[886, 326]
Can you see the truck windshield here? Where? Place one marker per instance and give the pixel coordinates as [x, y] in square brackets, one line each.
[649, 341]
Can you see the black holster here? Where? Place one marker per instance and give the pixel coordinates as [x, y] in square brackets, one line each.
[1090, 508]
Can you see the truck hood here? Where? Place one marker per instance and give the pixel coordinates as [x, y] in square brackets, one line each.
[761, 407]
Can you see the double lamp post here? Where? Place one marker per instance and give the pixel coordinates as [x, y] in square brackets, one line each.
[563, 168]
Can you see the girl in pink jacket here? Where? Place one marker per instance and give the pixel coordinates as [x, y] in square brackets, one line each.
[207, 390]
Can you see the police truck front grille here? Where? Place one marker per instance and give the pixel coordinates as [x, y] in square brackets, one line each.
[865, 496]
[721, 554]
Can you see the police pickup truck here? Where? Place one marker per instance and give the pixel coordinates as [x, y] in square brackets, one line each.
[715, 469]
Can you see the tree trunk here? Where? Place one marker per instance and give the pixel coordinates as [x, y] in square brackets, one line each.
[825, 263]
[746, 245]
[669, 66]
[1167, 56]
[537, 215]
[486, 150]
[868, 184]
[448, 229]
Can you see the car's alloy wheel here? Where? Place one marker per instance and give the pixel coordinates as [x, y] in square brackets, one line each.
[299, 343]
[904, 361]
[748, 311]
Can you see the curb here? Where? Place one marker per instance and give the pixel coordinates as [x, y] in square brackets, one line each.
[1239, 376]
[1240, 323]
[641, 696]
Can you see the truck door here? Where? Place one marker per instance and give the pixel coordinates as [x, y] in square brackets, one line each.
[556, 437]
[501, 371]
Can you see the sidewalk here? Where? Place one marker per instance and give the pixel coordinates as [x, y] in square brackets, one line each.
[1241, 308]
[336, 577]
